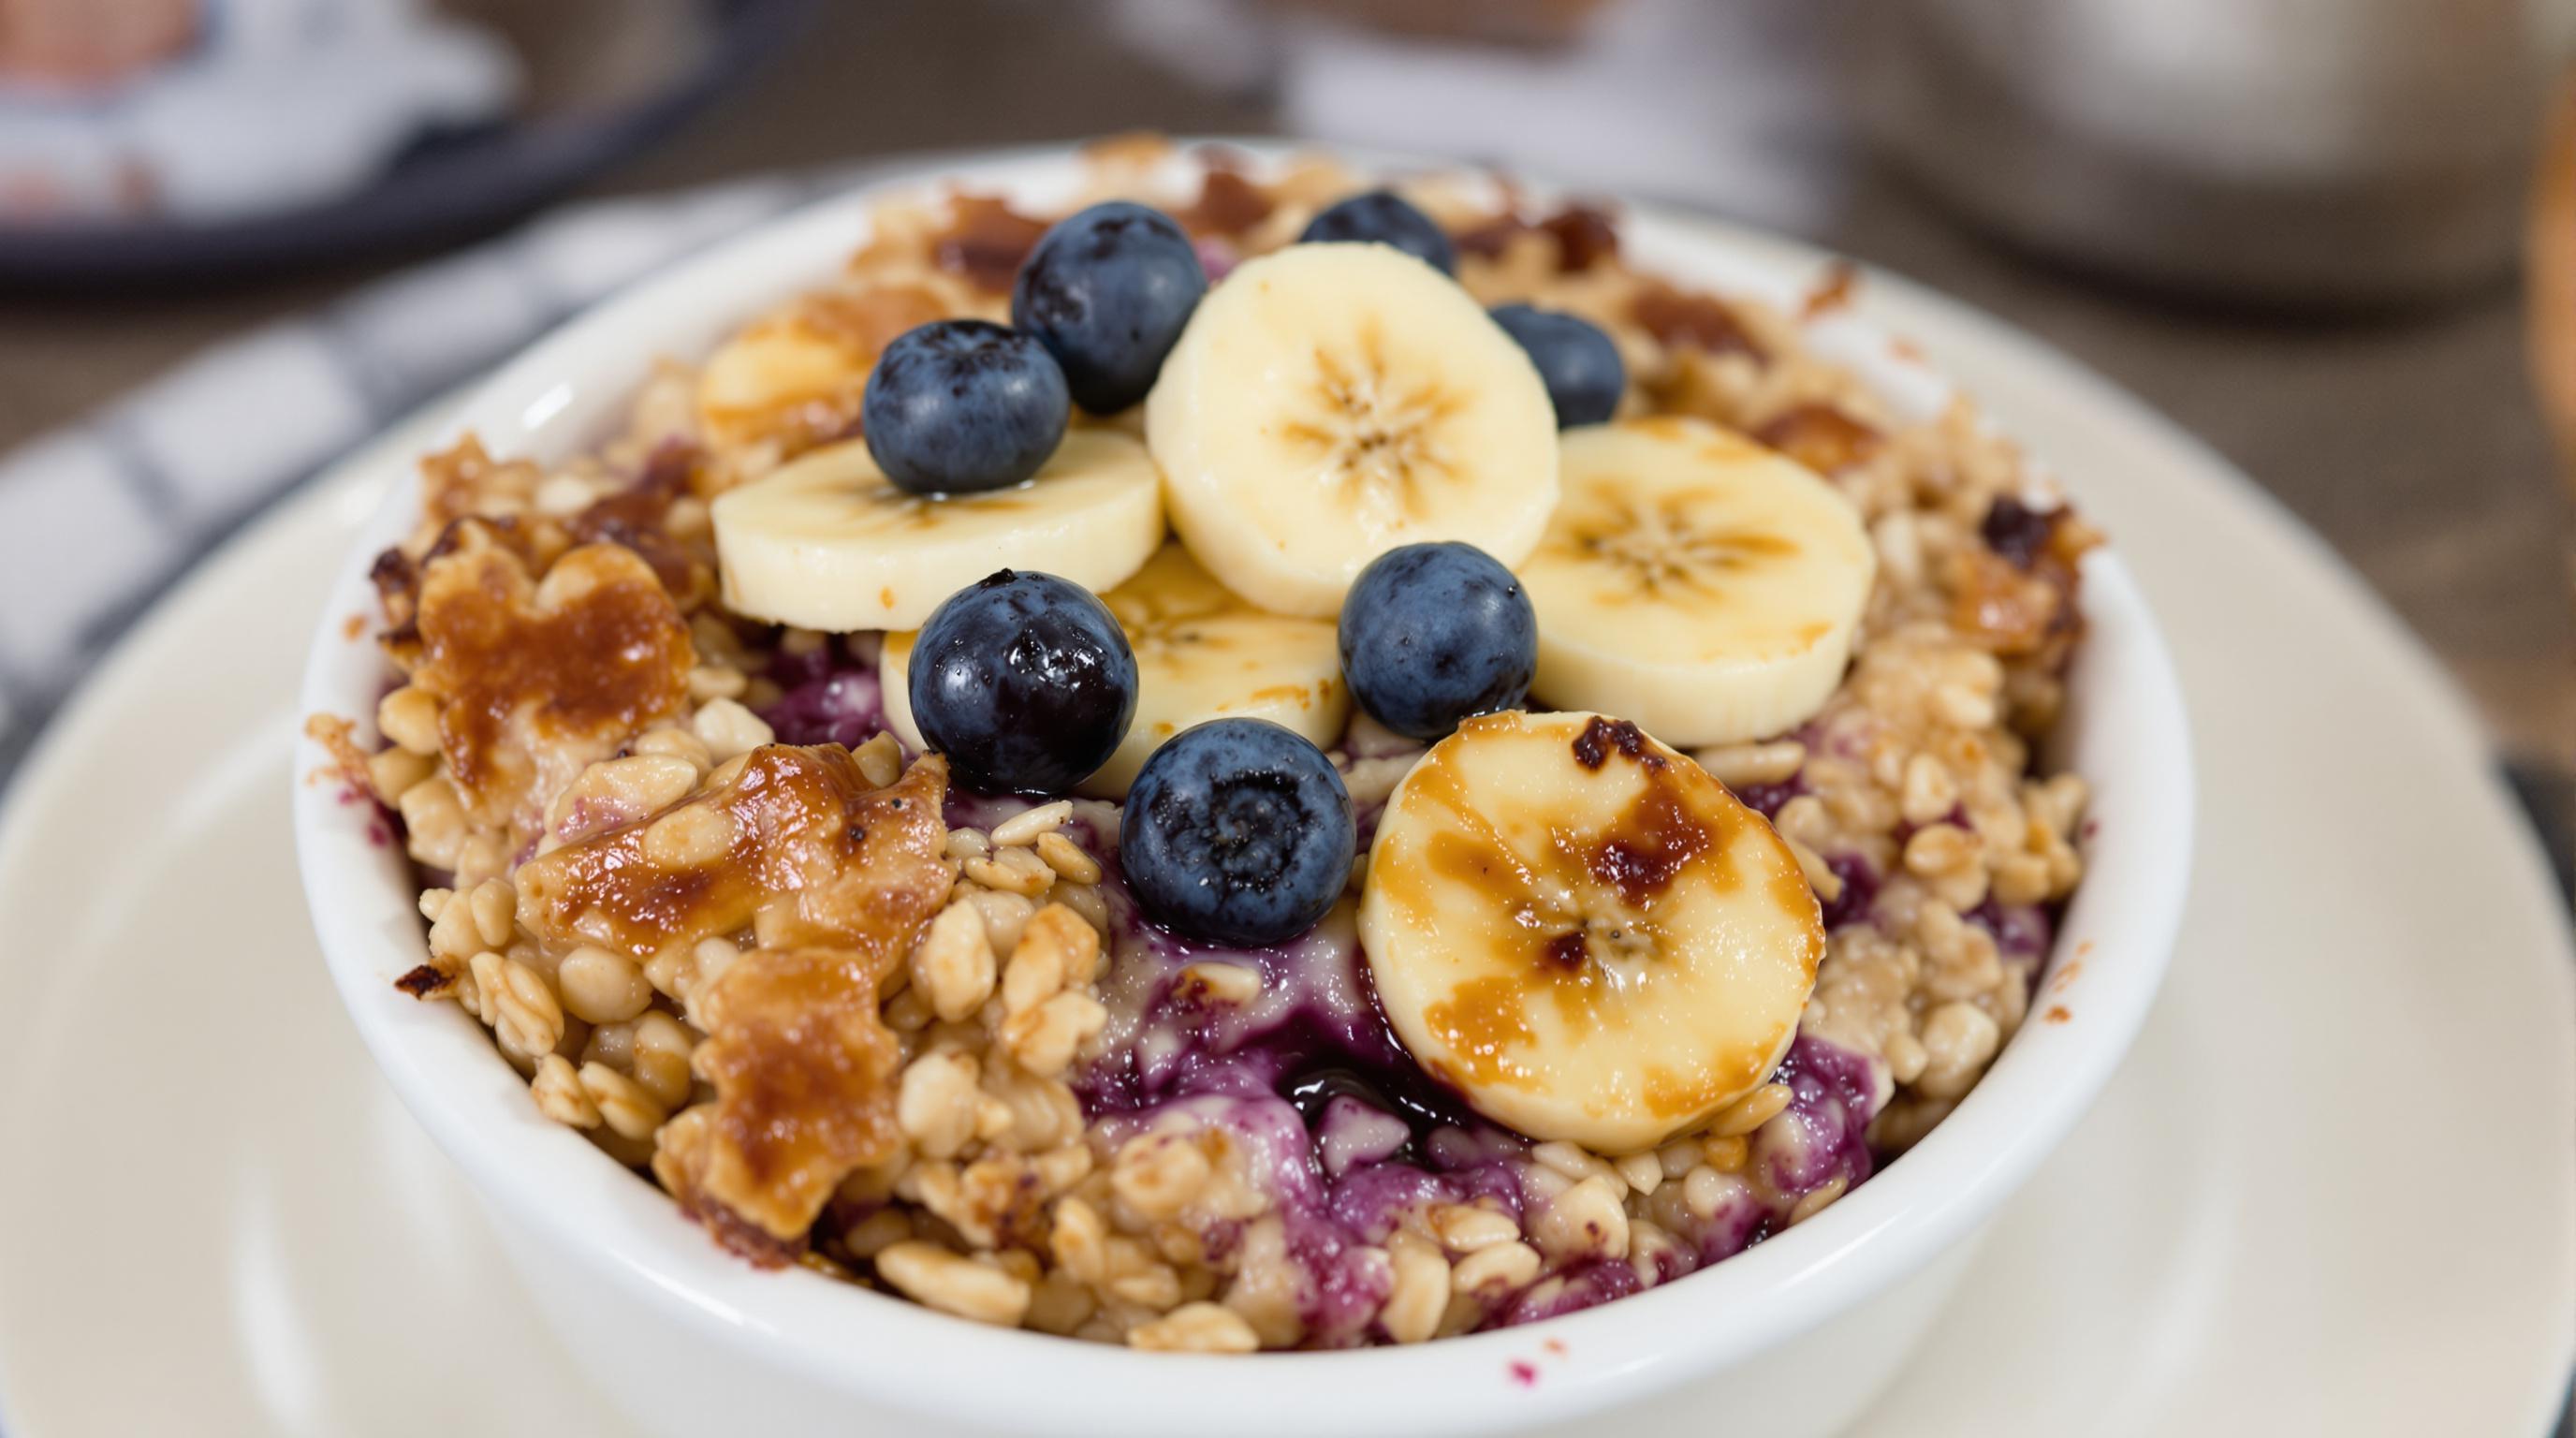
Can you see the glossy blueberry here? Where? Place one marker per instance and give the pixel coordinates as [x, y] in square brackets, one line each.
[1107, 292]
[1025, 682]
[1433, 633]
[1238, 831]
[957, 406]
[1577, 361]
[1383, 216]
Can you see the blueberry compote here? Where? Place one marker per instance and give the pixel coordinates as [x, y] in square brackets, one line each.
[1342, 1131]
[1348, 1134]
[828, 694]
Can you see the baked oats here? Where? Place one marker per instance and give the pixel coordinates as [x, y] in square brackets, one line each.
[1008, 989]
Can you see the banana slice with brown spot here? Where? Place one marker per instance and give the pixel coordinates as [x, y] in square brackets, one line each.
[1583, 933]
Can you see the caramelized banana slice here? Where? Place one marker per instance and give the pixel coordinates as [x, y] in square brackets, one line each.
[1583, 933]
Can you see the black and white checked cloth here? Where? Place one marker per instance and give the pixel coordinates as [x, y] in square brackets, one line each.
[98, 518]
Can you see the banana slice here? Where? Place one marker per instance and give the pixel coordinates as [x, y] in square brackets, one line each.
[1330, 402]
[829, 543]
[1583, 933]
[1703, 586]
[1201, 654]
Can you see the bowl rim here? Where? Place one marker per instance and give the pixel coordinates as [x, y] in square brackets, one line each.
[558, 394]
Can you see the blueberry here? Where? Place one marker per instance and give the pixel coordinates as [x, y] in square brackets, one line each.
[1578, 362]
[2018, 532]
[1383, 216]
[1025, 682]
[957, 406]
[1238, 831]
[1433, 633]
[1107, 292]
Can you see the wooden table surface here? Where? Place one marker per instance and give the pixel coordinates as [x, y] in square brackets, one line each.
[2411, 442]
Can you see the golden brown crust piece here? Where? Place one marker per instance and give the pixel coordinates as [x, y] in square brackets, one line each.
[1821, 437]
[536, 680]
[860, 866]
[638, 517]
[802, 1064]
[1687, 319]
[804, 1074]
[453, 480]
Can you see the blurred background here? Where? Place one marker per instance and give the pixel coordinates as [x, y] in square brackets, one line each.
[2337, 241]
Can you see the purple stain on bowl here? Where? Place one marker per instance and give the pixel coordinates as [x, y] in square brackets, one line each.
[384, 823]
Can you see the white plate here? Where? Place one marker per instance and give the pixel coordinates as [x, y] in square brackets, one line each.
[2331, 1191]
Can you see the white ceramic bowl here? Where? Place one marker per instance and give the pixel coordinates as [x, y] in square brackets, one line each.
[1788, 1339]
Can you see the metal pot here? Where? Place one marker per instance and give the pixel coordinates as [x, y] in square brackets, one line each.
[2304, 152]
